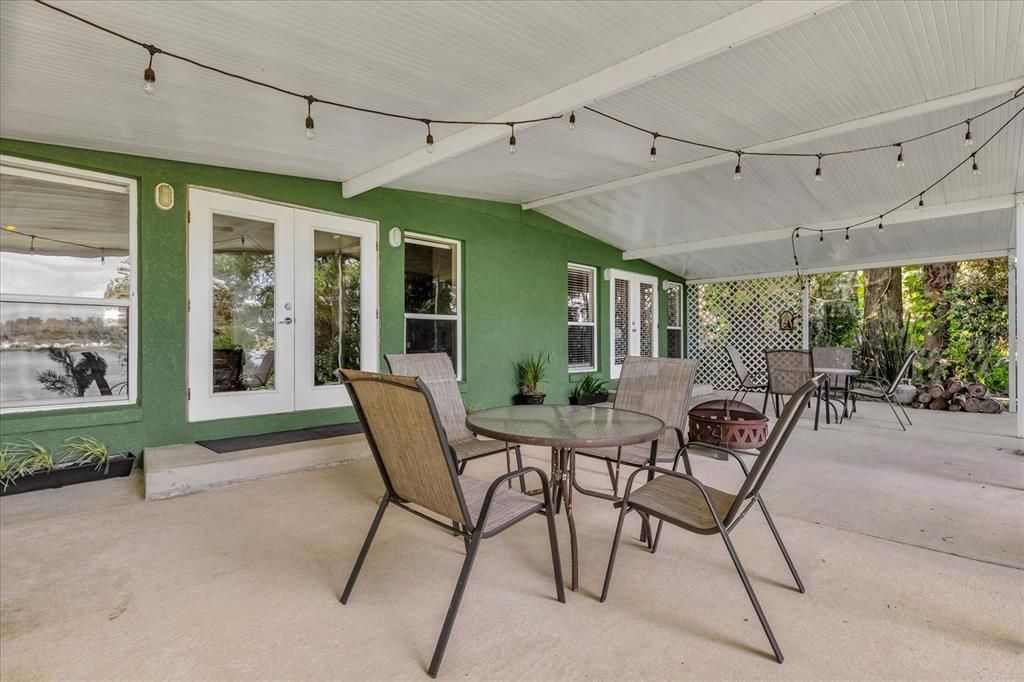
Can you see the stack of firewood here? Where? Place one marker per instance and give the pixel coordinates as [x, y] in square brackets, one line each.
[954, 395]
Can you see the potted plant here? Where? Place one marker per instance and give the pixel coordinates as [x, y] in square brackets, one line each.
[27, 465]
[588, 391]
[531, 372]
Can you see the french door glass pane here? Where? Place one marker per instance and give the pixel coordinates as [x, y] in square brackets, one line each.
[646, 319]
[336, 321]
[675, 343]
[431, 336]
[62, 353]
[621, 317]
[244, 321]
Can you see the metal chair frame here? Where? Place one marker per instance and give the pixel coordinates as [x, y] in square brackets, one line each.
[888, 393]
[743, 376]
[472, 530]
[748, 495]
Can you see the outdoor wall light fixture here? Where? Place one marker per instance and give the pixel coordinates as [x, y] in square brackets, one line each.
[607, 274]
[163, 196]
[395, 237]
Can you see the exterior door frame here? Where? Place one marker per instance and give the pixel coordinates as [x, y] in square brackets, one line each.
[634, 279]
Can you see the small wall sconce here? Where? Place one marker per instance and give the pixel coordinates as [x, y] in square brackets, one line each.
[163, 196]
[607, 274]
[395, 237]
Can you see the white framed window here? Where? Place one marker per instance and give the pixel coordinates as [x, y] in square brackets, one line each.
[68, 314]
[433, 297]
[674, 319]
[582, 310]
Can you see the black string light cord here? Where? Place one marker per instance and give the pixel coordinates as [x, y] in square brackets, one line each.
[150, 77]
[917, 195]
[10, 229]
[815, 155]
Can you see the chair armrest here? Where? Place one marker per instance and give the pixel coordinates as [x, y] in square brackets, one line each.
[504, 478]
[726, 451]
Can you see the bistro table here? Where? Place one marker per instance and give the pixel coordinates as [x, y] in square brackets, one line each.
[563, 428]
[848, 376]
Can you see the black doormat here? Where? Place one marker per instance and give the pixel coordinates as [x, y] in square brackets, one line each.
[265, 440]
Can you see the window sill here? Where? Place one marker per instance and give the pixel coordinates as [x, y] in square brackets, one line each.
[582, 370]
[82, 417]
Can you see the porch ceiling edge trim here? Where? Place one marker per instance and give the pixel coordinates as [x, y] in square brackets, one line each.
[912, 215]
[921, 108]
[730, 31]
[866, 265]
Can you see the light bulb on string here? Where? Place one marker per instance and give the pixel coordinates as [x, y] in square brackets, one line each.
[899, 157]
[430, 139]
[149, 75]
[103, 257]
[572, 120]
[968, 140]
[32, 245]
[818, 177]
[880, 226]
[920, 201]
[512, 140]
[974, 166]
[796, 235]
[654, 147]
[310, 126]
[821, 235]
[847, 234]
[738, 173]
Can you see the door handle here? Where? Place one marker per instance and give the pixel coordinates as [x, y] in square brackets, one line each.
[286, 320]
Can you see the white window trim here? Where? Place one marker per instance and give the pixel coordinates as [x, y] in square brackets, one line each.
[431, 240]
[111, 183]
[577, 369]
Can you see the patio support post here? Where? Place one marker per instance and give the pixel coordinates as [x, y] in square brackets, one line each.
[1018, 298]
[805, 310]
[1011, 332]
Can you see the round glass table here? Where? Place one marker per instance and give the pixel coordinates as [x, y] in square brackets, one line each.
[563, 428]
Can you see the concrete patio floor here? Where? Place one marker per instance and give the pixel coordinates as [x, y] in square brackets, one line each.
[910, 545]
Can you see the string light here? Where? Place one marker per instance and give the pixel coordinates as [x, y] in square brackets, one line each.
[818, 177]
[572, 120]
[899, 157]
[968, 141]
[821, 235]
[32, 245]
[430, 139]
[974, 166]
[738, 173]
[149, 75]
[796, 234]
[920, 201]
[310, 128]
[847, 234]
[654, 148]
[512, 139]
[880, 226]
[103, 257]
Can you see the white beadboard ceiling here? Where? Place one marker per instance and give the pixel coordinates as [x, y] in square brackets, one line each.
[63, 83]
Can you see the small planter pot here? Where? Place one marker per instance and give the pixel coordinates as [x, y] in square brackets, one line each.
[588, 399]
[905, 392]
[528, 399]
[118, 465]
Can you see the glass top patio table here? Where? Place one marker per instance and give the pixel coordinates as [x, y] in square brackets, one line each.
[563, 428]
[566, 426]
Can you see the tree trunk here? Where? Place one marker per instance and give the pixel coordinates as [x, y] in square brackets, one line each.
[938, 278]
[883, 299]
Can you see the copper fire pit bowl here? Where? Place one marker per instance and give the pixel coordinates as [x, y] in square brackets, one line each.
[729, 424]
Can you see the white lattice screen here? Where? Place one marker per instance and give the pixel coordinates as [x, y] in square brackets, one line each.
[744, 314]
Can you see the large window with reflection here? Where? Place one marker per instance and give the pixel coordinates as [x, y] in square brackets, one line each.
[67, 315]
[433, 317]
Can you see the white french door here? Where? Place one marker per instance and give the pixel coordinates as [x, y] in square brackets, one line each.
[279, 298]
[634, 317]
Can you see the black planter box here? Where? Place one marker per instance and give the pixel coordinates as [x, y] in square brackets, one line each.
[524, 399]
[589, 399]
[119, 465]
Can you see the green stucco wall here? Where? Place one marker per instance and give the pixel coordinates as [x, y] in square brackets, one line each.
[514, 274]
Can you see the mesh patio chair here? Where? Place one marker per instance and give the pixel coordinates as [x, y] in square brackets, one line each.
[660, 387]
[435, 369]
[887, 392]
[403, 428]
[788, 372]
[747, 381]
[682, 500]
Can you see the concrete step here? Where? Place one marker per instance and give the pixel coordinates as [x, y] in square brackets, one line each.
[174, 470]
